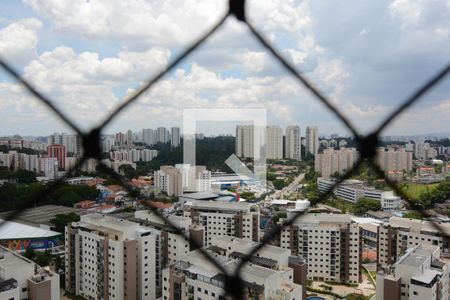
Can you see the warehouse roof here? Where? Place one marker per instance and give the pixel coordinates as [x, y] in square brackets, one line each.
[13, 230]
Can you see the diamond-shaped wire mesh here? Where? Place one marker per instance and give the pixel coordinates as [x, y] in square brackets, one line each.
[234, 286]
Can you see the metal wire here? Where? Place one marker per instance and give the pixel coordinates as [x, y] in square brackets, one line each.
[367, 145]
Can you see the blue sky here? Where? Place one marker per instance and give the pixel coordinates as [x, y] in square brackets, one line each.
[367, 56]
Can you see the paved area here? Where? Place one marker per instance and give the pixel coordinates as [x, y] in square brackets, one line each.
[366, 288]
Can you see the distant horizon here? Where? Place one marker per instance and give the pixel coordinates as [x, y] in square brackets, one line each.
[326, 135]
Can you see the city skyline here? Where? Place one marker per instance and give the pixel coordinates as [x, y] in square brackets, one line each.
[85, 78]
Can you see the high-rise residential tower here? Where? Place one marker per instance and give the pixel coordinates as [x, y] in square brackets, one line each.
[175, 137]
[58, 151]
[292, 144]
[245, 141]
[162, 135]
[312, 140]
[274, 142]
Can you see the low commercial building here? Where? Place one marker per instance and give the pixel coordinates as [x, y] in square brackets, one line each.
[352, 190]
[20, 237]
[264, 278]
[331, 244]
[20, 278]
[418, 274]
[400, 234]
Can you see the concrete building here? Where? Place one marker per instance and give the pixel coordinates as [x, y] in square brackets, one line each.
[175, 137]
[237, 219]
[292, 144]
[274, 142]
[20, 278]
[58, 151]
[245, 141]
[424, 150]
[149, 136]
[331, 244]
[400, 234]
[352, 190]
[194, 178]
[393, 160]
[162, 135]
[331, 161]
[264, 278]
[110, 258]
[170, 180]
[418, 274]
[312, 140]
[174, 246]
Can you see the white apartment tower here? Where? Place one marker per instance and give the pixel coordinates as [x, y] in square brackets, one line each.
[400, 234]
[20, 278]
[110, 258]
[269, 276]
[175, 137]
[224, 218]
[312, 140]
[274, 142]
[170, 180]
[292, 144]
[418, 274]
[149, 136]
[331, 244]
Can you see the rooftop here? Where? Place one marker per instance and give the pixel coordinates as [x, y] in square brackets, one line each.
[214, 205]
[42, 214]
[14, 230]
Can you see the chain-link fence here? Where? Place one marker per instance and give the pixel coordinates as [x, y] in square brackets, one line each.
[234, 285]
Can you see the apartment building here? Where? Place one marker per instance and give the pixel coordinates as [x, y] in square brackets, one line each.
[274, 142]
[194, 178]
[238, 219]
[245, 141]
[400, 234]
[265, 278]
[175, 137]
[174, 246]
[312, 140]
[169, 179]
[331, 244]
[331, 161]
[418, 274]
[269, 256]
[292, 143]
[352, 190]
[20, 278]
[111, 258]
[394, 160]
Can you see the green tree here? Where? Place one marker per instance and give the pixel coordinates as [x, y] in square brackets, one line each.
[278, 184]
[61, 220]
[365, 204]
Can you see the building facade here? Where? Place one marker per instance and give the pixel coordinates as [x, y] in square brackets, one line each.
[418, 274]
[400, 234]
[331, 244]
[224, 218]
[265, 277]
[312, 140]
[292, 143]
[274, 142]
[335, 161]
[109, 258]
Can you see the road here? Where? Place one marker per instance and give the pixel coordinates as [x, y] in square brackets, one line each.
[287, 190]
